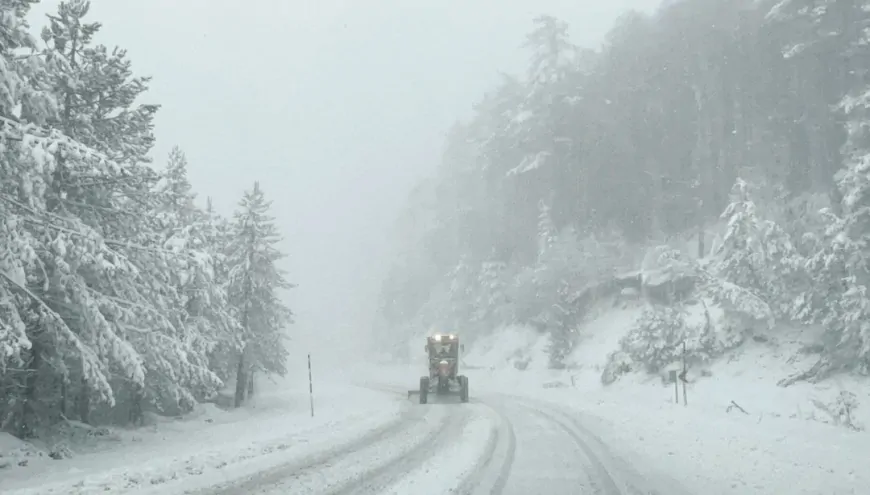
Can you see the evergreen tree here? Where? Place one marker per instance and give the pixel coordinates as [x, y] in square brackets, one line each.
[119, 195]
[177, 190]
[201, 310]
[96, 89]
[492, 305]
[62, 322]
[256, 285]
[216, 237]
[113, 283]
[461, 290]
[758, 255]
[841, 272]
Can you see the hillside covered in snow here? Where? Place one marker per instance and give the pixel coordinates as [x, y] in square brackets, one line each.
[702, 178]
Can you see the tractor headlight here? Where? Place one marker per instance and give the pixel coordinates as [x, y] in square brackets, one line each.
[452, 336]
[437, 338]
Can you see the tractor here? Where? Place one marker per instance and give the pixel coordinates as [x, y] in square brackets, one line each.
[443, 362]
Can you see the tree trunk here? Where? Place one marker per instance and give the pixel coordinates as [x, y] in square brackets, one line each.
[251, 384]
[241, 381]
[29, 415]
[137, 418]
[84, 402]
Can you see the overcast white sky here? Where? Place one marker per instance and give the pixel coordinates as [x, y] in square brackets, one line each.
[336, 106]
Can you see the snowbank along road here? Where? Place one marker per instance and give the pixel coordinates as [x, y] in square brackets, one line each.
[495, 444]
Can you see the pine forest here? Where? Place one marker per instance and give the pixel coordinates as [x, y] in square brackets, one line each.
[712, 157]
[121, 293]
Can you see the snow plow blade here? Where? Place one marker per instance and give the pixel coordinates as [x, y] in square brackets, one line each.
[412, 393]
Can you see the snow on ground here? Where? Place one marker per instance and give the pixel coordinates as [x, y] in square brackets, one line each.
[213, 445]
[714, 452]
[454, 462]
[14, 451]
[599, 337]
[437, 446]
[515, 347]
[785, 442]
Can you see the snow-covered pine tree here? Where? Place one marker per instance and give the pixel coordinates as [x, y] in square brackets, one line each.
[177, 192]
[461, 283]
[97, 92]
[25, 94]
[64, 328]
[96, 89]
[492, 306]
[841, 270]
[256, 285]
[655, 340]
[757, 254]
[138, 301]
[741, 253]
[217, 235]
[560, 279]
[545, 294]
[553, 55]
[202, 310]
[541, 136]
[18, 177]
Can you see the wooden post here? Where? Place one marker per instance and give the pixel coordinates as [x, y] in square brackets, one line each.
[685, 402]
[701, 248]
[310, 386]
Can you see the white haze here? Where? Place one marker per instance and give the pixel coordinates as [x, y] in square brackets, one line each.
[336, 106]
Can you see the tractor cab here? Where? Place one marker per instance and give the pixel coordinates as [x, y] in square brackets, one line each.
[442, 346]
[443, 351]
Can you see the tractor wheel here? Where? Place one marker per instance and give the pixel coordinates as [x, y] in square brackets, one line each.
[424, 389]
[463, 388]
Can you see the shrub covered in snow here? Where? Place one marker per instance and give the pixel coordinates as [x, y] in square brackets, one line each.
[656, 339]
[715, 317]
[841, 410]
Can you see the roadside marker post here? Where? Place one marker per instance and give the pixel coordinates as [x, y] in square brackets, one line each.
[310, 386]
[683, 375]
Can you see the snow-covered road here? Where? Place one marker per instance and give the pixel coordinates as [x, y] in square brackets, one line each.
[518, 435]
[369, 462]
[494, 444]
[557, 452]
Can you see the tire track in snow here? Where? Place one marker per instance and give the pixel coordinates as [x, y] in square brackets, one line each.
[611, 475]
[473, 460]
[602, 481]
[493, 468]
[376, 480]
[276, 474]
[366, 468]
[607, 474]
[489, 471]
